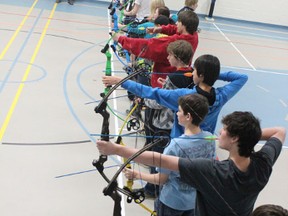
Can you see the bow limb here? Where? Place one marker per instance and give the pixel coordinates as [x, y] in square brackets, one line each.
[138, 197]
[105, 98]
[99, 164]
[146, 147]
[105, 114]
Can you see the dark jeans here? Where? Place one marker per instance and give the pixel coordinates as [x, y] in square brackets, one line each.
[163, 210]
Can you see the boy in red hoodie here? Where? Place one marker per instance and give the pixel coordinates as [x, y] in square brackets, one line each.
[155, 49]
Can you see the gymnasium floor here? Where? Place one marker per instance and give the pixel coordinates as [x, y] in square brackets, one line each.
[50, 82]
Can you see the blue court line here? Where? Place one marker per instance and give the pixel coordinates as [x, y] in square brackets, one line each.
[86, 171]
[70, 107]
[15, 61]
[79, 79]
[44, 72]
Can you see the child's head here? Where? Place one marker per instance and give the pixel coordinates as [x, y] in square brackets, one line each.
[189, 20]
[161, 11]
[194, 105]
[192, 4]
[207, 67]
[165, 12]
[182, 51]
[161, 20]
[270, 210]
[154, 4]
[242, 127]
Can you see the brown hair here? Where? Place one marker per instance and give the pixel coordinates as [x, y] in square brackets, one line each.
[182, 50]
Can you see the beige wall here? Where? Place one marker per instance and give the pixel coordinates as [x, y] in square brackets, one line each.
[272, 12]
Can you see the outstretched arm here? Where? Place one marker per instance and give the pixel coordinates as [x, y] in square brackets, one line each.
[166, 98]
[133, 12]
[148, 157]
[110, 80]
[158, 178]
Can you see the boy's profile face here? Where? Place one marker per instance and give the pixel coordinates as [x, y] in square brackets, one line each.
[180, 27]
[172, 60]
[182, 118]
[194, 6]
[225, 139]
[196, 78]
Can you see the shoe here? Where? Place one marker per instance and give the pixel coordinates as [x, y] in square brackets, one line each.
[71, 2]
[57, 1]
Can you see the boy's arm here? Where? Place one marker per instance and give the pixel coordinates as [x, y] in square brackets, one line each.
[275, 137]
[140, 29]
[237, 81]
[148, 157]
[158, 178]
[153, 49]
[169, 29]
[133, 12]
[277, 132]
[167, 98]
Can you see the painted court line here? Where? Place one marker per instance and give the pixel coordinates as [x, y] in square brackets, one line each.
[231, 43]
[17, 30]
[27, 72]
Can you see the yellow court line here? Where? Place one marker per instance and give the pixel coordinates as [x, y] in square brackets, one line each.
[17, 30]
[19, 91]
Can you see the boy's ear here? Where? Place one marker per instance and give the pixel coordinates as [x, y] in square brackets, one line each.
[235, 139]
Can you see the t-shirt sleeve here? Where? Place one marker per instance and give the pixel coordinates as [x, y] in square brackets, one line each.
[272, 150]
[169, 150]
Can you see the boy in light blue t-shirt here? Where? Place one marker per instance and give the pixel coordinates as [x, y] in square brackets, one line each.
[177, 197]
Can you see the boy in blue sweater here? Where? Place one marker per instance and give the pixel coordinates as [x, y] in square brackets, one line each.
[206, 72]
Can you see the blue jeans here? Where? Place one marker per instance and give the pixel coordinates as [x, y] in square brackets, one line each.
[163, 210]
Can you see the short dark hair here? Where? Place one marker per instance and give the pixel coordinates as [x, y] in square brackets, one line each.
[164, 11]
[182, 50]
[195, 104]
[208, 66]
[270, 210]
[162, 20]
[190, 20]
[246, 127]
